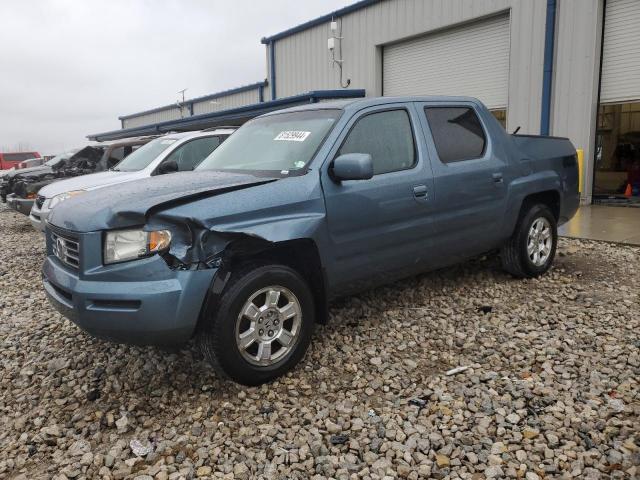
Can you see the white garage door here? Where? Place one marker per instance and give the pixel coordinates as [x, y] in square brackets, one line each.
[469, 60]
[621, 52]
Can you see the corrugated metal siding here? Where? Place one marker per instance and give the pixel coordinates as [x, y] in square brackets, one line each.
[575, 83]
[621, 55]
[239, 99]
[155, 117]
[303, 62]
[471, 60]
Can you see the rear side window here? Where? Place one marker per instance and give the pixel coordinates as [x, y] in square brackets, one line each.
[457, 133]
[386, 136]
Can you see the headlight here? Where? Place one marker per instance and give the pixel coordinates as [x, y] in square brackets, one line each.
[64, 196]
[123, 245]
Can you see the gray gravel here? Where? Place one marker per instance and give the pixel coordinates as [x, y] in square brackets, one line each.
[552, 389]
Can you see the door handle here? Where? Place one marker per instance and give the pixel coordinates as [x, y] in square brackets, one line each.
[420, 191]
[497, 177]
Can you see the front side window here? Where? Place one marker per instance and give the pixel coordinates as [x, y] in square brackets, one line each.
[457, 133]
[188, 155]
[115, 156]
[387, 137]
[144, 155]
[280, 144]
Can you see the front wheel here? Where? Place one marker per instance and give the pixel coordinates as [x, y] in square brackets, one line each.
[262, 326]
[532, 247]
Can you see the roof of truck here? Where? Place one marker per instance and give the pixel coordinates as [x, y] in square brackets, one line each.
[358, 103]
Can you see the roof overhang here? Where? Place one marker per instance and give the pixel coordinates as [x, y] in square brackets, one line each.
[232, 116]
[204, 98]
[320, 20]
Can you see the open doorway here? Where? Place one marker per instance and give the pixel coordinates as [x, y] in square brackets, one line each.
[617, 168]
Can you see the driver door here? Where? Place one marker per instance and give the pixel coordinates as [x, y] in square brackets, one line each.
[380, 228]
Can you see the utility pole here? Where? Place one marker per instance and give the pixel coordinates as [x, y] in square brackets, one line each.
[181, 104]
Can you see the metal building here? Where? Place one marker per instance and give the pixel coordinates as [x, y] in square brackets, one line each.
[560, 67]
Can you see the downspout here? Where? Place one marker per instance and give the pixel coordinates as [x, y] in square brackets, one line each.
[272, 74]
[595, 140]
[547, 76]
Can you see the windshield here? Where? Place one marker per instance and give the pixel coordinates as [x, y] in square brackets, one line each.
[282, 143]
[144, 155]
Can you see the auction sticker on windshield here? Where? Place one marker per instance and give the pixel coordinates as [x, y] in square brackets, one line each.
[292, 136]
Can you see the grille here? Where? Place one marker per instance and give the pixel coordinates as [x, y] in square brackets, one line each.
[66, 249]
[39, 201]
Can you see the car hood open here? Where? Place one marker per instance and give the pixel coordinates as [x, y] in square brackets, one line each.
[130, 204]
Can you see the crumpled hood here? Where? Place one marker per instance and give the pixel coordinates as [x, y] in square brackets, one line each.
[89, 182]
[29, 172]
[129, 204]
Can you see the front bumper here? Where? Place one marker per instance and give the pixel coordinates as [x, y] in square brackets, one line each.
[19, 204]
[142, 302]
[38, 216]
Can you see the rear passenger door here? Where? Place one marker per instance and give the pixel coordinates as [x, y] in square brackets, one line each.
[379, 228]
[469, 174]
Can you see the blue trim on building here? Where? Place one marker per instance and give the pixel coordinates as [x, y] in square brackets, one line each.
[191, 101]
[547, 76]
[226, 117]
[272, 69]
[320, 20]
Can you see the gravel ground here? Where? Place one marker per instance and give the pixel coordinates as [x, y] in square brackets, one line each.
[551, 390]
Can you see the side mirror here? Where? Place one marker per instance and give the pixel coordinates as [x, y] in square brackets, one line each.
[353, 166]
[170, 166]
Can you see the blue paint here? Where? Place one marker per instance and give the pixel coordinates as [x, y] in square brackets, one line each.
[547, 76]
[352, 231]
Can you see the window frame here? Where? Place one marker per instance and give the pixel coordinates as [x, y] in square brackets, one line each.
[390, 108]
[485, 147]
[179, 146]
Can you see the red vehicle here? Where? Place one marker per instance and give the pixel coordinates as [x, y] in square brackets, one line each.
[10, 160]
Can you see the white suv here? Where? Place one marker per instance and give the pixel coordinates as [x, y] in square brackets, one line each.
[174, 152]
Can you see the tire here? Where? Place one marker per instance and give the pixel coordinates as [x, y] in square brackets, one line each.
[219, 338]
[516, 259]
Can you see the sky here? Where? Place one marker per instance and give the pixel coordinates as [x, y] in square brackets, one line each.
[69, 68]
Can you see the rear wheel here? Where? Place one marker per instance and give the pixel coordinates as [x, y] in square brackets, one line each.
[262, 326]
[532, 247]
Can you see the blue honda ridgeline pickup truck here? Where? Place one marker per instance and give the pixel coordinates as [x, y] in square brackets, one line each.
[298, 207]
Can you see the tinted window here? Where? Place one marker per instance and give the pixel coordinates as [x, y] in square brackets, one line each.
[387, 137]
[457, 133]
[190, 154]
